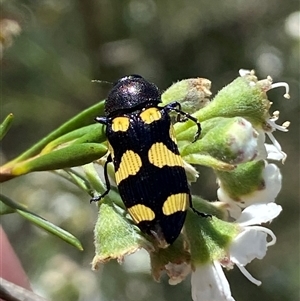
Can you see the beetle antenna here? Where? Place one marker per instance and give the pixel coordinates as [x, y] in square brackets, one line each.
[101, 81]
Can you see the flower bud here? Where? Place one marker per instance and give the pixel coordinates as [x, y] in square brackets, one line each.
[249, 183]
[232, 140]
[115, 236]
[191, 93]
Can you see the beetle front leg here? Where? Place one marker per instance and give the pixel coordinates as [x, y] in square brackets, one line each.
[176, 107]
[107, 182]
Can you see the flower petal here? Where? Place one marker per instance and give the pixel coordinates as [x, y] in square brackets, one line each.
[277, 145]
[274, 153]
[272, 180]
[210, 284]
[248, 245]
[258, 214]
[248, 275]
[261, 146]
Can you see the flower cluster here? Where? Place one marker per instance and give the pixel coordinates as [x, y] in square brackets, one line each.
[235, 125]
[232, 142]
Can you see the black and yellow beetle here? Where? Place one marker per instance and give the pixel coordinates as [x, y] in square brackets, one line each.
[148, 167]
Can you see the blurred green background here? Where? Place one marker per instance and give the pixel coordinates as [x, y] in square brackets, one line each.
[46, 78]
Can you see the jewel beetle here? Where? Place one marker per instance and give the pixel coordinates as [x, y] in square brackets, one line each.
[149, 170]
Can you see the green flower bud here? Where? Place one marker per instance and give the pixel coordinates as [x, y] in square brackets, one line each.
[231, 140]
[208, 238]
[245, 97]
[239, 98]
[245, 179]
[250, 183]
[191, 93]
[115, 235]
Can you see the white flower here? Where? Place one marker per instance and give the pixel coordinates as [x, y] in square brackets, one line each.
[272, 179]
[275, 152]
[252, 242]
[209, 282]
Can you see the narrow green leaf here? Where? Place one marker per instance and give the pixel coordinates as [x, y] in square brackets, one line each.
[8, 202]
[84, 118]
[87, 134]
[4, 209]
[70, 156]
[5, 125]
[51, 228]
[95, 134]
[77, 179]
[41, 222]
[94, 179]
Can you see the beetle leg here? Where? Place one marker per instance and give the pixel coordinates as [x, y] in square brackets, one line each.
[107, 182]
[175, 106]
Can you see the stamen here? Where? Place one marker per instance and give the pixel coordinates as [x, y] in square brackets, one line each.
[276, 114]
[277, 145]
[267, 231]
[274, 141]
[286, 124]
[275, 126]
[285, 85]
[248, 275]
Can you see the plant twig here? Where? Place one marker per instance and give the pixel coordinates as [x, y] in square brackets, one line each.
[12, 292]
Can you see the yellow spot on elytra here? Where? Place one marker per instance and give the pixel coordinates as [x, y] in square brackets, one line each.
[175, 202]
[120, 124]
[150, 115]
[141, 213]
[129, 166]
[160, 156]
[172, 134]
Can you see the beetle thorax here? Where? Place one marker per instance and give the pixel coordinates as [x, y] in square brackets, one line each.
[129, 94]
